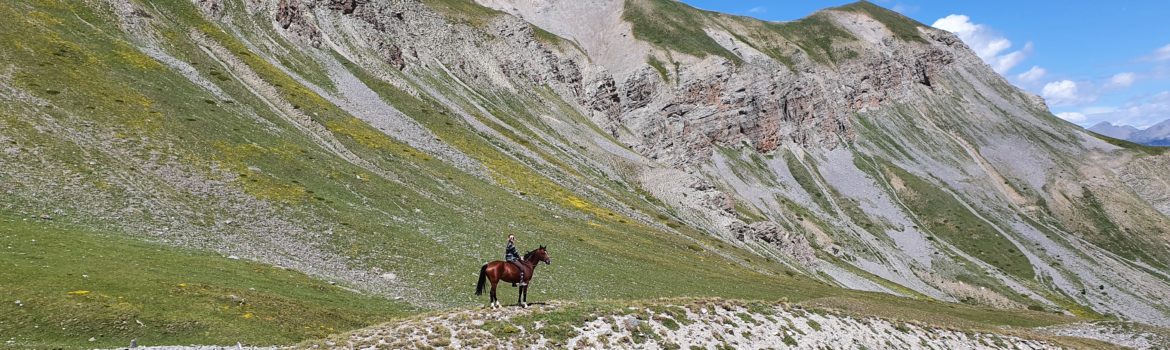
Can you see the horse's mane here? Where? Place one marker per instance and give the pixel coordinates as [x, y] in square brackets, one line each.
[530, 253]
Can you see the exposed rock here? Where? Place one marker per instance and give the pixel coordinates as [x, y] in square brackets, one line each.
[793, 245]
[394, 57]
[287, 12]
[213, 8]
[290, 14]
[346, 6]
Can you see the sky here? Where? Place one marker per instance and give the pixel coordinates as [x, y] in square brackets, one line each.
[1092, 61]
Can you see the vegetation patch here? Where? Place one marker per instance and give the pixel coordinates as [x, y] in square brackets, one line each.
[807, 181]
[815, 35]
[659, 67]
[675, 26]
[466, 11]
[943, 215]
[114, 289]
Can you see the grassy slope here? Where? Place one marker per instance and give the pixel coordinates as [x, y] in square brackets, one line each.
[74, 284]
[673, 25]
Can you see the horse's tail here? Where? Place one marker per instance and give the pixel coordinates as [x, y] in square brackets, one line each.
[482, 280]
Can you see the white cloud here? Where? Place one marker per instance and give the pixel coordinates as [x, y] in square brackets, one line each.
[1121, 80]
[1074, 117]
[904, 8]
[1032, 75]
[1139, 113]
[986, 43]
[1003, 63]
[758, 9]
[1063, 92]
[1162, 53]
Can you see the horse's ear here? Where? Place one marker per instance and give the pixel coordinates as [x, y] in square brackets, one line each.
[542, 248]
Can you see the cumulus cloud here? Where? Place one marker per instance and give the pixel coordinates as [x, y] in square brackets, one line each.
[1121, 80]
[1032, 75]
[1061, 92]
[987, 43]
[758, 9]
[1074, 117]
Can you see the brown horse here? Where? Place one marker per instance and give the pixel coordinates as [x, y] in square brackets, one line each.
[508, 272]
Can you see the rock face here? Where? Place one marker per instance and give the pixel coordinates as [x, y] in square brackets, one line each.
[769, 233]
[290, 15]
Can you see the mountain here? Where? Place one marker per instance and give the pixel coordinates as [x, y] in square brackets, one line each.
[319, 154]
[1155, 135]
[1123, 132]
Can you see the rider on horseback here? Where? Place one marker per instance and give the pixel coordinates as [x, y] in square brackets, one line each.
[512, 256]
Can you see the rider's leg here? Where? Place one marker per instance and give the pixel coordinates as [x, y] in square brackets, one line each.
[522, 283]
[515, 263]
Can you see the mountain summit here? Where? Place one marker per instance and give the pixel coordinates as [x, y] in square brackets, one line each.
[854, 159]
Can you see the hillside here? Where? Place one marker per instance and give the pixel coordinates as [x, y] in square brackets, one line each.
[380, 151]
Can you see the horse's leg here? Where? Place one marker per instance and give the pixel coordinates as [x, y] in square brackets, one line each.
[524, 297]
[494, 281]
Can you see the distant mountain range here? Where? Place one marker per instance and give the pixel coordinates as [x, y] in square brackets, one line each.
[1156, 135]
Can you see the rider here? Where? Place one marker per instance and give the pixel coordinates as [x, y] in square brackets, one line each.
[512, 256]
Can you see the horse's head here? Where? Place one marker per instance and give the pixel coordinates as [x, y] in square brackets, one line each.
[538, 255]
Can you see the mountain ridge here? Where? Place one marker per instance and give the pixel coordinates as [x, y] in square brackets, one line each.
[1154, 135]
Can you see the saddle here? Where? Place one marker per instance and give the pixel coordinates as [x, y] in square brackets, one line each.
[524, 271]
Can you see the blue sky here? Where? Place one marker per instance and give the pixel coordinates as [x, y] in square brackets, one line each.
[1092, 61]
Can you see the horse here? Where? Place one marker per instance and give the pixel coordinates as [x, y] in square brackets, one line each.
[496, 271]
